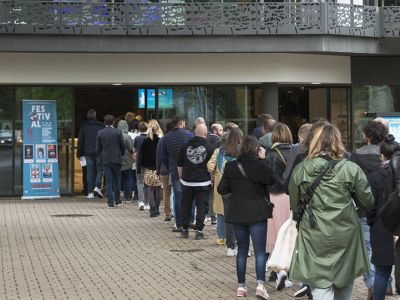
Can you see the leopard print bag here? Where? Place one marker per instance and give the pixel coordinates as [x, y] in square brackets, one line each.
[151, 178]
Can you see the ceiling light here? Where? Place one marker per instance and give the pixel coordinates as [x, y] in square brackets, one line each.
[116, 84]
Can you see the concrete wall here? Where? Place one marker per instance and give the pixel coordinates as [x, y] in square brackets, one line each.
[108, 68]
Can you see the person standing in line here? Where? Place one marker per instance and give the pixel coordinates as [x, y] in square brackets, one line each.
[195, 179]
[162, 171]
[111, 147]
[228, 151]
[133, 133]
[146, 164]
[277, 157]
[382, 241]
[170, 147]
[248, 211]
[127, 161]
[266, 139]
[87, 148]
[368, 159]
[259, 131]
[329, 252]
[143, 203]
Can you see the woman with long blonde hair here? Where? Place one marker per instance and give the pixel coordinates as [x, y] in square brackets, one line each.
[147, 160]
[330, 251]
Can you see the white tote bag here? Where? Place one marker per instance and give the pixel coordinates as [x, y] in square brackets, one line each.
[281, 256]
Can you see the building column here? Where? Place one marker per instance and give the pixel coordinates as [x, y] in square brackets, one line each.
[270, 99]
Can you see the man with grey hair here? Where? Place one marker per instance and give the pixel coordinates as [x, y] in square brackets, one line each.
[195, 179]
[87, 149]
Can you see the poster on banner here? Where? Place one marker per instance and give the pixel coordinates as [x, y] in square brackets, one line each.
[40, 155]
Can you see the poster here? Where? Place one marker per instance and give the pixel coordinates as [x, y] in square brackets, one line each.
[40, 157]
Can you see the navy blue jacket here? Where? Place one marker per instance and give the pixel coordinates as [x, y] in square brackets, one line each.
[110, 146]
[87, 138]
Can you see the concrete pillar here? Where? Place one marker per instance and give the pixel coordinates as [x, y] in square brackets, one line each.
[270, 99]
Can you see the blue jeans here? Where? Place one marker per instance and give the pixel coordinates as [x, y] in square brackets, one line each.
[368, 277]
[221, 226]
[382, 274]
[225, 231]
[127, 183]
[258, 233]
[94, 173]
[113, 183]
[177, 188]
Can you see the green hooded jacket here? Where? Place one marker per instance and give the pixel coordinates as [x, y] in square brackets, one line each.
[333, 252]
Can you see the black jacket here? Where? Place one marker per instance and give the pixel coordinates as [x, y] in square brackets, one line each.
[382, 242]
[278, 166]
[368, 159]
[148, 154]
[110, 146]
[247, 204]
[87, 138]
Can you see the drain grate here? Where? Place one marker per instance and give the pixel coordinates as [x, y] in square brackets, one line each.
[71, 216]
[186, 250]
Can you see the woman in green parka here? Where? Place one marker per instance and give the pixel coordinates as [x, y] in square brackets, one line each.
[330, 252]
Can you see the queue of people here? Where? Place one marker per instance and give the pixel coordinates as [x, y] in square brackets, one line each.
[251, 186]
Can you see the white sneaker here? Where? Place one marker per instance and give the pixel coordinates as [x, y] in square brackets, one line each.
[280, 281]
[90, 196]
[261, 292]
[98, 192]
[232, 252]
[288, 284]
[141, 205]
[147, 207]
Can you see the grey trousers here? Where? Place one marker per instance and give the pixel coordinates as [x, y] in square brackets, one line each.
[333, 293]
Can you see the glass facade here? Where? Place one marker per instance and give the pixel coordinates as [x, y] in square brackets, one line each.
[371, 101]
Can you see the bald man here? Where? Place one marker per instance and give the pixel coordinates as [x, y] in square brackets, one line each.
[195, 179]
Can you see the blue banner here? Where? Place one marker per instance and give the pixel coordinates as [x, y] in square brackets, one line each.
[40, 152]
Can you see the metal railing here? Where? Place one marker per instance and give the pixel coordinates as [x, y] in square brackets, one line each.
[198, 18]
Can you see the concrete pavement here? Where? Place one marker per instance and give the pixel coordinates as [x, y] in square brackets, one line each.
[48, 251]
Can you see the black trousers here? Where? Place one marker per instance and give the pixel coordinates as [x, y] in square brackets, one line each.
[201, 195]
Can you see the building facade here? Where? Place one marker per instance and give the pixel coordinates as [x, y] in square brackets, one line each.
[225, 61]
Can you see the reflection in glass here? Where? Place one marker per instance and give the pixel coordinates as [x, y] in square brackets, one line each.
[6, 131]
[370, 101]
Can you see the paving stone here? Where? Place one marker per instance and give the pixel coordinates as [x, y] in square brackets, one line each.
[114, 254]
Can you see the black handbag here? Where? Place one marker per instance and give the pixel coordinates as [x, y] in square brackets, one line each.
[270, 205]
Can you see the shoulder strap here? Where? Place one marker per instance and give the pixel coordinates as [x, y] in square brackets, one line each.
[256, 187]
[281, 155]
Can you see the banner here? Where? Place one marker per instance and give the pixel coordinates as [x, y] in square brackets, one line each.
[40, 155]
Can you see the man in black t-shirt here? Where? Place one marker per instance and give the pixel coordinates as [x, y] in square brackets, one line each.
[195, 179]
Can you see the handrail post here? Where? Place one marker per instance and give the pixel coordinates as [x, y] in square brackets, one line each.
[324, 17]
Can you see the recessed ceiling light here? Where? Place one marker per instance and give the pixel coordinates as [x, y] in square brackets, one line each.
[315, 82]
[117, 84]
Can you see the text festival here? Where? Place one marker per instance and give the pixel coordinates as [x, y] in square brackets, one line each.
[38, 114]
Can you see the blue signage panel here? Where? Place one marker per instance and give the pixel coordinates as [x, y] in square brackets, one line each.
[394, 126]
[151, 98]
[40, 155]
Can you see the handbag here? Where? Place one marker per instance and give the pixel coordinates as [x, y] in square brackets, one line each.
[281, 256]
[151, 178]
[270, 205]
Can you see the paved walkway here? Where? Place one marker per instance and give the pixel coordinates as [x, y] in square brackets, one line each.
[113, 254]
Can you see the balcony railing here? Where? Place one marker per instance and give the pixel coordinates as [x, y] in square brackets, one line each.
[198, 18]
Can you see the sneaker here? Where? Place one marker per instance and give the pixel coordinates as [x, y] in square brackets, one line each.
[280, 281]
[185, 233]
[261, 292]
[97, 192]
[288, 284]
[221, 242]
[192, 226]
[241, 291]
[177, 229]
[111, 206]
[127, 200]
[147, 207]
[118, 204]
[214, 222]
[199, 235]
[302, 291]
[90, 196]
[248, 254]
[272, 277]
[231, 252]
[167, 219]
[141, 205]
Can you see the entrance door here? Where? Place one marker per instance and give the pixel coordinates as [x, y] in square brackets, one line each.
[298, 105]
